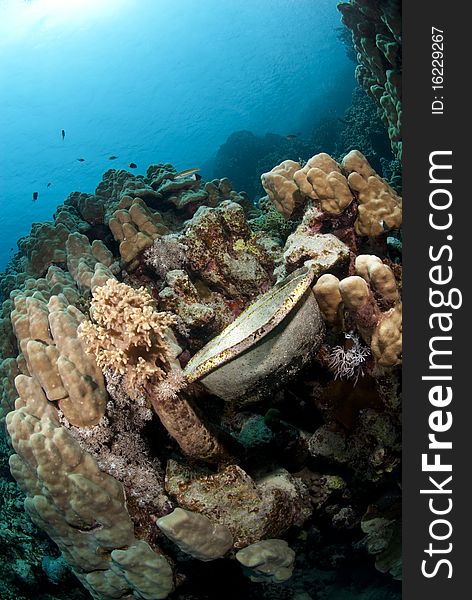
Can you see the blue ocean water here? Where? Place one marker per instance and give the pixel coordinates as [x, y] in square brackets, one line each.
[151, 81]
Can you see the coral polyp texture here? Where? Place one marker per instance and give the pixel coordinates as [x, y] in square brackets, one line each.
[186, 390]
[376, 28]
[333, 188]
[127, 336]
[352, 301]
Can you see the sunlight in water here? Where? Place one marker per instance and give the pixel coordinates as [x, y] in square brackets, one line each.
[19, 17]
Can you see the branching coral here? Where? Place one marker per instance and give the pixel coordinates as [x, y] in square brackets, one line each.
[91, 459]
[127, 336]
[130, 338]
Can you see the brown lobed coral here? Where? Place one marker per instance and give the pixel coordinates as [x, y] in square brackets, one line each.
[376, 29]
[79, 391]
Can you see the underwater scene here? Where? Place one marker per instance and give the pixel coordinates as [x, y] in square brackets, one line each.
[200, 291]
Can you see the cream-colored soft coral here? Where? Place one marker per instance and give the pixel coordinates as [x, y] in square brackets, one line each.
[127, 335]
[130, 338]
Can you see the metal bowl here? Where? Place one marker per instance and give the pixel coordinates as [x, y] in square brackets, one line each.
[265, 346]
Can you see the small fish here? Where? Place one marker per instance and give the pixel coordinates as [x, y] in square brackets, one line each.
[291, 136]
[81, 159]
[35, 196]
[132, 165]
[49, 184]
[384, 225]
[63, 133]
[186, 173]
[194, 177]
[112, 157]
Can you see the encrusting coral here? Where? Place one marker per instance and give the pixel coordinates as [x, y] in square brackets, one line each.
[268, 560]
[225, 252]
[142, 466]
[196, 535]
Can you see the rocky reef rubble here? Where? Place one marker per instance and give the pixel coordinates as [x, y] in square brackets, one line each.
[118, 319]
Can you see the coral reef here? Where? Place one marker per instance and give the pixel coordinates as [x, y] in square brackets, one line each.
[333, 188]
[55, 359]
[195, 387]
[135, 227]
[82, 509]
[363, 130]
[381, 329]
[225, 252]
[379, 206]
[196, 535]
[321, 179]
[268, 560]
[282, 189]
[254, 510]
[127, 336]
[28, 556]
[376, 35]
